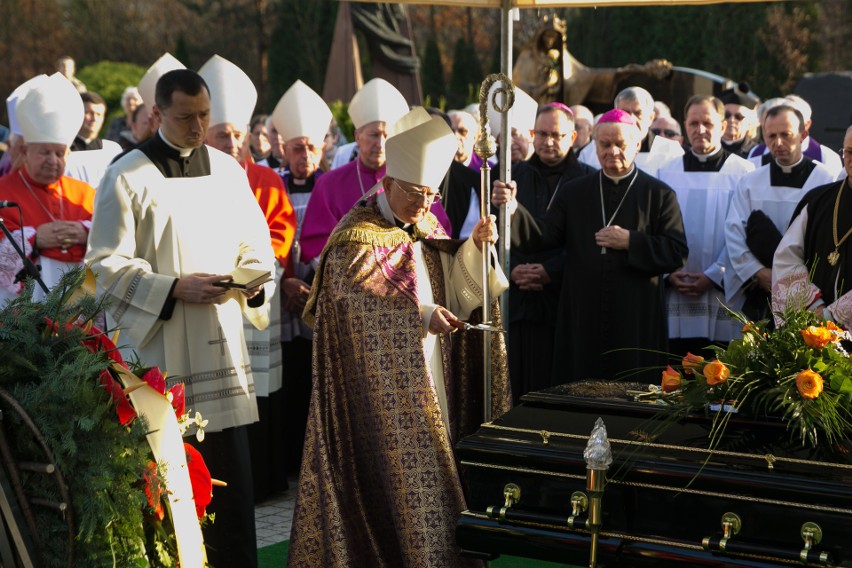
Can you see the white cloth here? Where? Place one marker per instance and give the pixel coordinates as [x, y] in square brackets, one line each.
[91, 165]
[463, 278]
[343, 155]
[778, 203]
[703, 198]
[148, 230]
[264, 345]
[11, 264]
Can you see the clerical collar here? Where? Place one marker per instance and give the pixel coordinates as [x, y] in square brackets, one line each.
[467, 161]
[390, 216]
[734, 146]
[791, 176]
[184, 152]
[705, 157]
[298, 181]
[789, 169]
[617, 180]
[168, 160]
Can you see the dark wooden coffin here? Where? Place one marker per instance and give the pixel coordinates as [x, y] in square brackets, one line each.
[665, 496]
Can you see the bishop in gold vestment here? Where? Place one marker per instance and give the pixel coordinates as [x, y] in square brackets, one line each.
[379, 484]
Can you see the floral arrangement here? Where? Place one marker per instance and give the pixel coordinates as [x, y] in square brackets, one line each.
[64, 372]
[799, 371]
[159, 525]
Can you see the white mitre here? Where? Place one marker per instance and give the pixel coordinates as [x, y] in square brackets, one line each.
[301, 112]
[521, 115]
[415, 117]
[12, 101]
[232, 93]
[377, 100]
[51, 112]
[148, 83]
[422, 154]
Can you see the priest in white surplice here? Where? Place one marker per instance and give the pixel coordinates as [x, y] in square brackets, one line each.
[172, 219]
[704, 179]
[762, 207]
[812, 267]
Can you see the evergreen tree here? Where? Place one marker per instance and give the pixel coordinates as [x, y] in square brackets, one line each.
[182, 52]
[299, 46]
[432, 77]
[465, 77]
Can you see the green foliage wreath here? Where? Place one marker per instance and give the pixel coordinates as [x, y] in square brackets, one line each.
[56, 379]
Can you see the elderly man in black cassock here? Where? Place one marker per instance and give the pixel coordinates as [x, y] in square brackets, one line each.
[537, 277]
[621, 230]
[817, 242]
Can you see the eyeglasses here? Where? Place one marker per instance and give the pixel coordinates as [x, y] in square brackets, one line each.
[415, 196]
[665, 132]
[555, 136]
[739, 116]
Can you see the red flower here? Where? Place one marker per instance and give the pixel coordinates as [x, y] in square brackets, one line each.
[126, 413]
[199, 477]
[155, 380]
[98, 342]
[153, 489]
[178, 393]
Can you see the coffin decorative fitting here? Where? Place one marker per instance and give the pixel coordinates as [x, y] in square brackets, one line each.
[511, 494]
[731, 525]
[770, 461]
[579, 505]
[812, 535]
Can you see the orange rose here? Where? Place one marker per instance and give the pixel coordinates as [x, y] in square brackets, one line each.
[817, 337]
[691, 362]
[750, 328]
[671, 380]
[809, 383]
[830, 325]
[716, 372]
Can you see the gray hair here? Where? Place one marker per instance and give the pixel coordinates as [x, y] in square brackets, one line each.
[128, 93]
[646, 101]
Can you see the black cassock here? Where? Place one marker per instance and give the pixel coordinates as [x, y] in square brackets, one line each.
[833, 281]
[611, 320]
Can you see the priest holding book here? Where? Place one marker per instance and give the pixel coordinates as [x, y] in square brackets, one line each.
[173, 218]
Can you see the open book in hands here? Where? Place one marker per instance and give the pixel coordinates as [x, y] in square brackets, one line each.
[245, 278]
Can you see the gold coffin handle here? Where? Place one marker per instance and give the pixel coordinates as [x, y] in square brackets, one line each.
[511, 494]
[731, 525]
[579, 505]
[812, 534]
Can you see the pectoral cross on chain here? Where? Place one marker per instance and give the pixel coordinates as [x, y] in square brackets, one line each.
[221, 341]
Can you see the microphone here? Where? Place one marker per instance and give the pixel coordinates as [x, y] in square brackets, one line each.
[7, 204]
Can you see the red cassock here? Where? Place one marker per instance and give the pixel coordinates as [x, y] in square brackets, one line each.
[65, 200]
[269, 191]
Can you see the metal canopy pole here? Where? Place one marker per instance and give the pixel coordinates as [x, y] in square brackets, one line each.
[505, 174]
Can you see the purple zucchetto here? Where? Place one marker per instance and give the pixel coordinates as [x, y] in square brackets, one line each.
[560, 106]
[617, 116]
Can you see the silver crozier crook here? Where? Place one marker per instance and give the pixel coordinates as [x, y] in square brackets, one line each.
[485, 147]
